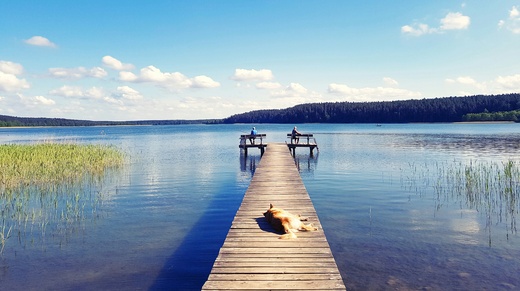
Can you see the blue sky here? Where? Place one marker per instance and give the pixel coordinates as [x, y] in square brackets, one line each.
[133, 60]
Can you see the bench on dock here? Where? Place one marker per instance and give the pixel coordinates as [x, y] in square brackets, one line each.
[308, 141]
[253, 257]
[255, 141]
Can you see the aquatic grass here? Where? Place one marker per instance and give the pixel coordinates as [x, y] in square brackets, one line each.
[491, 188]
[50, 163]
[50, 185]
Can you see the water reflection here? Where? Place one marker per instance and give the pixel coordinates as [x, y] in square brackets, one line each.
[248, 163]
[469, 145]
[306, 163]
[465, 227]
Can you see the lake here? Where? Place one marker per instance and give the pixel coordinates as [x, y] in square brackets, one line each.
[404, 206]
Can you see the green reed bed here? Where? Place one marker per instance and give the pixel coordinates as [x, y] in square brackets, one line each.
[48, 163]
[50, 184]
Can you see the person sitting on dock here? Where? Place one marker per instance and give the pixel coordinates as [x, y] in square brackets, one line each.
[253, 132]
[294, 135]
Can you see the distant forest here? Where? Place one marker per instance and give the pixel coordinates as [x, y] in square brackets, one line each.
[10, 121]
[448, 109]
[504, 107]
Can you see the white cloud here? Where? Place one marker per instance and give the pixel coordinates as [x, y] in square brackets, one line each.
[176, 80]
[115, 64]
[390, 82]
[34, 102]
[371, 94]
[466, 80]
[78, 92]
[117, 97]
[513, 22]
[204, 82]
[77, 73]
[169, 80]
[293, 90]
[452, 21]
[44, 101]
[417, 29]
[252, 75]
[509, 82]
[268, 85]
[9, 82]
[500, 85]
[129, 93]
[67, 91]
[11, 68]
[95, 93]
[341, 89]
[40, 41]
[173, 80]
[455, 21]
[127, 77]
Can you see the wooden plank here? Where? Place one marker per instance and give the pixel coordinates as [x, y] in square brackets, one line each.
[253, 257]
[275, 285]
[272, 277]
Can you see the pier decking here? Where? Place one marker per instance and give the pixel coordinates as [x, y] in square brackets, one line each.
[253, 257]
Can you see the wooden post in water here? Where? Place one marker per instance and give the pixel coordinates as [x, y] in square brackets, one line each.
[253, 257]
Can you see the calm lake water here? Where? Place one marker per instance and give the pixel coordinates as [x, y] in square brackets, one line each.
[392, 200]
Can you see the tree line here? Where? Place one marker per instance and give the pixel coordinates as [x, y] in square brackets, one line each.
[11, 121]
[448, 109]
[513, 115]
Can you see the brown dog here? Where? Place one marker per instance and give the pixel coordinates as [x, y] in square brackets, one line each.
[282, 220]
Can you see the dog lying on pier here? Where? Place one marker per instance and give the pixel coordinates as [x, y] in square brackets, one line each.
[283, 221]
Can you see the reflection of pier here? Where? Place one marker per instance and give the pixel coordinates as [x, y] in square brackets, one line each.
[306, 163]
[302, 140]
[255, 141]
[249, 163]
[253, 256]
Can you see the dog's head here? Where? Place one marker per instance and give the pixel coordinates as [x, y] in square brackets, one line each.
[269, 213]
[272, 217]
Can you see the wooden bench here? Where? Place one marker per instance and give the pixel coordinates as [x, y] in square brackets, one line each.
[308, 142]
[308, 136]
[252, 138]
[252, 142]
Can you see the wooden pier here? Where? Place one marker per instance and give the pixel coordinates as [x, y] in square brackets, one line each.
[253, 257]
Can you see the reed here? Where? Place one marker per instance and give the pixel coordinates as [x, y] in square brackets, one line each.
[51, 163]
[50, 184]
[491, 188]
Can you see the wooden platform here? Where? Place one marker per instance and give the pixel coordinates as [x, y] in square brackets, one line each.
[253, 257]
[303, 140]
[255, 141]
